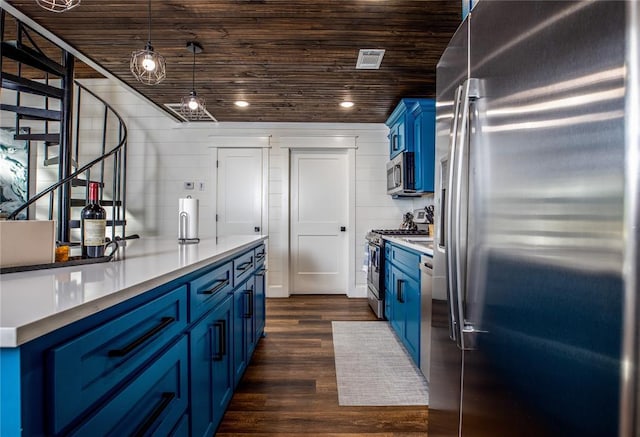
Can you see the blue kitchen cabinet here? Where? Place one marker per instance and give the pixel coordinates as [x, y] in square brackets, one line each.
[403, 296]
[211, 368]
[410, 296]
[87, 367]
[209, 288]
[161, 363]
[398, 137]
[400, 128]
[424, 136]
[396, 304]
[243, 332]
[150, 405]
[259, 303]
[412, 129]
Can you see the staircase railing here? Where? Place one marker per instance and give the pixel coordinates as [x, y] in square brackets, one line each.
[82, 175]
[64, 93]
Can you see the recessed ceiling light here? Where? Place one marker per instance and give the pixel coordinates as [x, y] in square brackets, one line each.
[241, 103]
[346, 104]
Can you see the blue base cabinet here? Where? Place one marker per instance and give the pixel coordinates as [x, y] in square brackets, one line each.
[211, 368]
[164, 363]
[152, 404]
[403, 296]
[241, 329]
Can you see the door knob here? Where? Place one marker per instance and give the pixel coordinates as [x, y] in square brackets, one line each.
[343, 229]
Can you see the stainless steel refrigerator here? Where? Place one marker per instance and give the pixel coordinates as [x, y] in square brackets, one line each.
[535, 265]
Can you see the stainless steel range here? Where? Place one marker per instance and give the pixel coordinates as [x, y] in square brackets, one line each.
[375, 270]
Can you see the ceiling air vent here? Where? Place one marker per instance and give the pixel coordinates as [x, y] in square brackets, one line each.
[205, 116]
[369, 59]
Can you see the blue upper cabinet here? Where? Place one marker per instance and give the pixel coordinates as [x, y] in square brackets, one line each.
[400, 128]
[424, 136]
[412, 129]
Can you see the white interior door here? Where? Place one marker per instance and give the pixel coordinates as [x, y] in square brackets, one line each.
[319, 209]
[239, 192]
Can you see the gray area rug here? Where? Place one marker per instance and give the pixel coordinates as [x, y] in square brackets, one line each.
[373, 368]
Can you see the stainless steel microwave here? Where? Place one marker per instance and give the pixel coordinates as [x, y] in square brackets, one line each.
[401, 179]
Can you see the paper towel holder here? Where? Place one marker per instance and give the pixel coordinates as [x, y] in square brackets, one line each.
[183, 226]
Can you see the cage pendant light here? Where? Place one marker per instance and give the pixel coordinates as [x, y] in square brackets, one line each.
[58, 5]
[192, 106]
[147, 65]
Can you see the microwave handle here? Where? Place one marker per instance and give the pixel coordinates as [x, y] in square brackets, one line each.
[397, 175]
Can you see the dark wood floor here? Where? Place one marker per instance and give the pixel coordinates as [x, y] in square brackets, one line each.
[289, 389]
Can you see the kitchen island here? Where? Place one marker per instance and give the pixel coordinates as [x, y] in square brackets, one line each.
[116, 347]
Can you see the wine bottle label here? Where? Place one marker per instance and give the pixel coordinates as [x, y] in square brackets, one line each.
[94, 231]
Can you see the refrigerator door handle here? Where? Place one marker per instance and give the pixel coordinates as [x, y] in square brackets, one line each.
[470, 91]
[454, 325]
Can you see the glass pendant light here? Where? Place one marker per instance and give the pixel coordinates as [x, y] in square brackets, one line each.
[58, 5]
[148, 66]
[192, 106]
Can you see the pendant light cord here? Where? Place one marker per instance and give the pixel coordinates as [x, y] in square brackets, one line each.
[149, 10]
[193, 71]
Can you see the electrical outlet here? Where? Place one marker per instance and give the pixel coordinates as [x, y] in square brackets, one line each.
[188, 185]
[201, 186]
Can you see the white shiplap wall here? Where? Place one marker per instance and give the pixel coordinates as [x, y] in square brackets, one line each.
[163, 154]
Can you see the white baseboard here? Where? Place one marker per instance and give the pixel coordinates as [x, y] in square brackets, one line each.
[276, 291]
[358, 291]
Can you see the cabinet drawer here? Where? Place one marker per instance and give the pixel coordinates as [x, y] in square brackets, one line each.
[243, 266]
[208, 289]
[260, 254]
[152, 404]
[84, 369]
[407, 260]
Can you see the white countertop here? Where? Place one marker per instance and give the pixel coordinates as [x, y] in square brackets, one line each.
[419, 243]
[35, 303]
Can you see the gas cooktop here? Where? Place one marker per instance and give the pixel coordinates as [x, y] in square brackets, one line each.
[400, 231]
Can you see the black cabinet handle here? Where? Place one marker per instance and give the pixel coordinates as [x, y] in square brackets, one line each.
[166, 399]
[244, 266]
[399, 291]
[249, 294]
[261, 272]
[259, 256]
[221, 284]
[164, 322]
[222, 340]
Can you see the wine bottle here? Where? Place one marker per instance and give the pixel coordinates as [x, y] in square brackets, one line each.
[93, 225]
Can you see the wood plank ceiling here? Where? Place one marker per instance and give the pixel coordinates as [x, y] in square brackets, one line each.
[293, 61]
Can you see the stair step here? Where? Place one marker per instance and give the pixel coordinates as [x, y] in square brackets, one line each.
[20, 84]
[80, 203]
[48, 138]
[75, 224]
[26, 55]
[78, 182]
[55, 160]
[27, 113]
